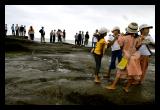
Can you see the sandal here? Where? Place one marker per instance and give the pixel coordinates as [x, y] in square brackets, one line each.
[110, 88]
[126, 90]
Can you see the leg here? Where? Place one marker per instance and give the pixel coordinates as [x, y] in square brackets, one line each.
[33, 36]
[98, 65]
[119, 55]
[41, 38]
[94, 44]
[50, 39]
[130, 81]
[53, 39]
[112, 64]
[44, 38]
[113, 85]
[144, 60]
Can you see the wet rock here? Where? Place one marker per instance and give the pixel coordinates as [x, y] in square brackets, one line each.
[59, 74]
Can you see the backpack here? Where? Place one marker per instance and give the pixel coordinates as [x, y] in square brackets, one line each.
[40, 31]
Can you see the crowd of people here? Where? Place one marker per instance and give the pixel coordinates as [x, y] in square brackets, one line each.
[16, 30]
[21, 31]
[81, 39]
[131, 50]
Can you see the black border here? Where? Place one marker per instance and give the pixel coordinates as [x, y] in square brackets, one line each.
[77, 2]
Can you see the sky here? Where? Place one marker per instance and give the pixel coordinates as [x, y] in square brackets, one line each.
[75, 18]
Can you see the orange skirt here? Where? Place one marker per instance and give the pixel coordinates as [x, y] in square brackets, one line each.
[133, 69]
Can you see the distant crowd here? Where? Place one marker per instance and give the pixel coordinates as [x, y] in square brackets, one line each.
[81, 39]
[21, 31]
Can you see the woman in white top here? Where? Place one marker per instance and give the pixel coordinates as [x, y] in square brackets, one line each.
[116, 49]
[145, 39]
[82, 38]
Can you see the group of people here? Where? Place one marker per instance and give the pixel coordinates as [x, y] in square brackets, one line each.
[16, 30]
[59, 34]
[131, 50]
[53, 34]
[21, 31]
[81, 39]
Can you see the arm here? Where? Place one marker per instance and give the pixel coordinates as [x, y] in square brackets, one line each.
[104, 48]
[112, 42]
[138, 43]
[92, 50]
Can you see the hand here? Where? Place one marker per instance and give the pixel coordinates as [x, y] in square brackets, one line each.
[142, 37]
[92, 50]
[116, 37]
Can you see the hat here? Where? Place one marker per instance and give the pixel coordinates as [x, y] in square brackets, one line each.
[103, 30]
[132, 28]
[115, 28]
[144, 26]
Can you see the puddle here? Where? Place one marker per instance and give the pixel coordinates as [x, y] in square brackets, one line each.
[63, 70]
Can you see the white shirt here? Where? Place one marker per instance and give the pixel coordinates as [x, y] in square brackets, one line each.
[76, 37]
[16, 28]
[115, 45]
[82, 36]
[94, 39]
[143, 49]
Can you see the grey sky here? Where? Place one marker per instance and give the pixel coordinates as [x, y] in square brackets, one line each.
[73, 18]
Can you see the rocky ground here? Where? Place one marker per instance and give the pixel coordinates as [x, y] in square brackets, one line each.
[62, 74]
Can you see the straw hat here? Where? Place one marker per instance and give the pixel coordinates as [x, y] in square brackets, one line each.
[132, 28]
[144, 26]
[115, 28]
[103, 30]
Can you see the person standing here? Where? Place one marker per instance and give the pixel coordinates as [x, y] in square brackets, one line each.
[54, 36]
[132, 70]
[24, 31]
[21, 30]
[79, 38]
[51, 36]
[86, 38]
[31, 33]
[94, 40]
[6, 28]
[59, 35]
[144, 50]
[42, 34]
[13, 30]
[76, 39]
[99, 51]
[116, 49]
[17, 30]
[64, 35]
[82, 38]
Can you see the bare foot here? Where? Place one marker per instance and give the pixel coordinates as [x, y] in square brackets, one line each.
[125, 89]
[110, 87]
[97, 81]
